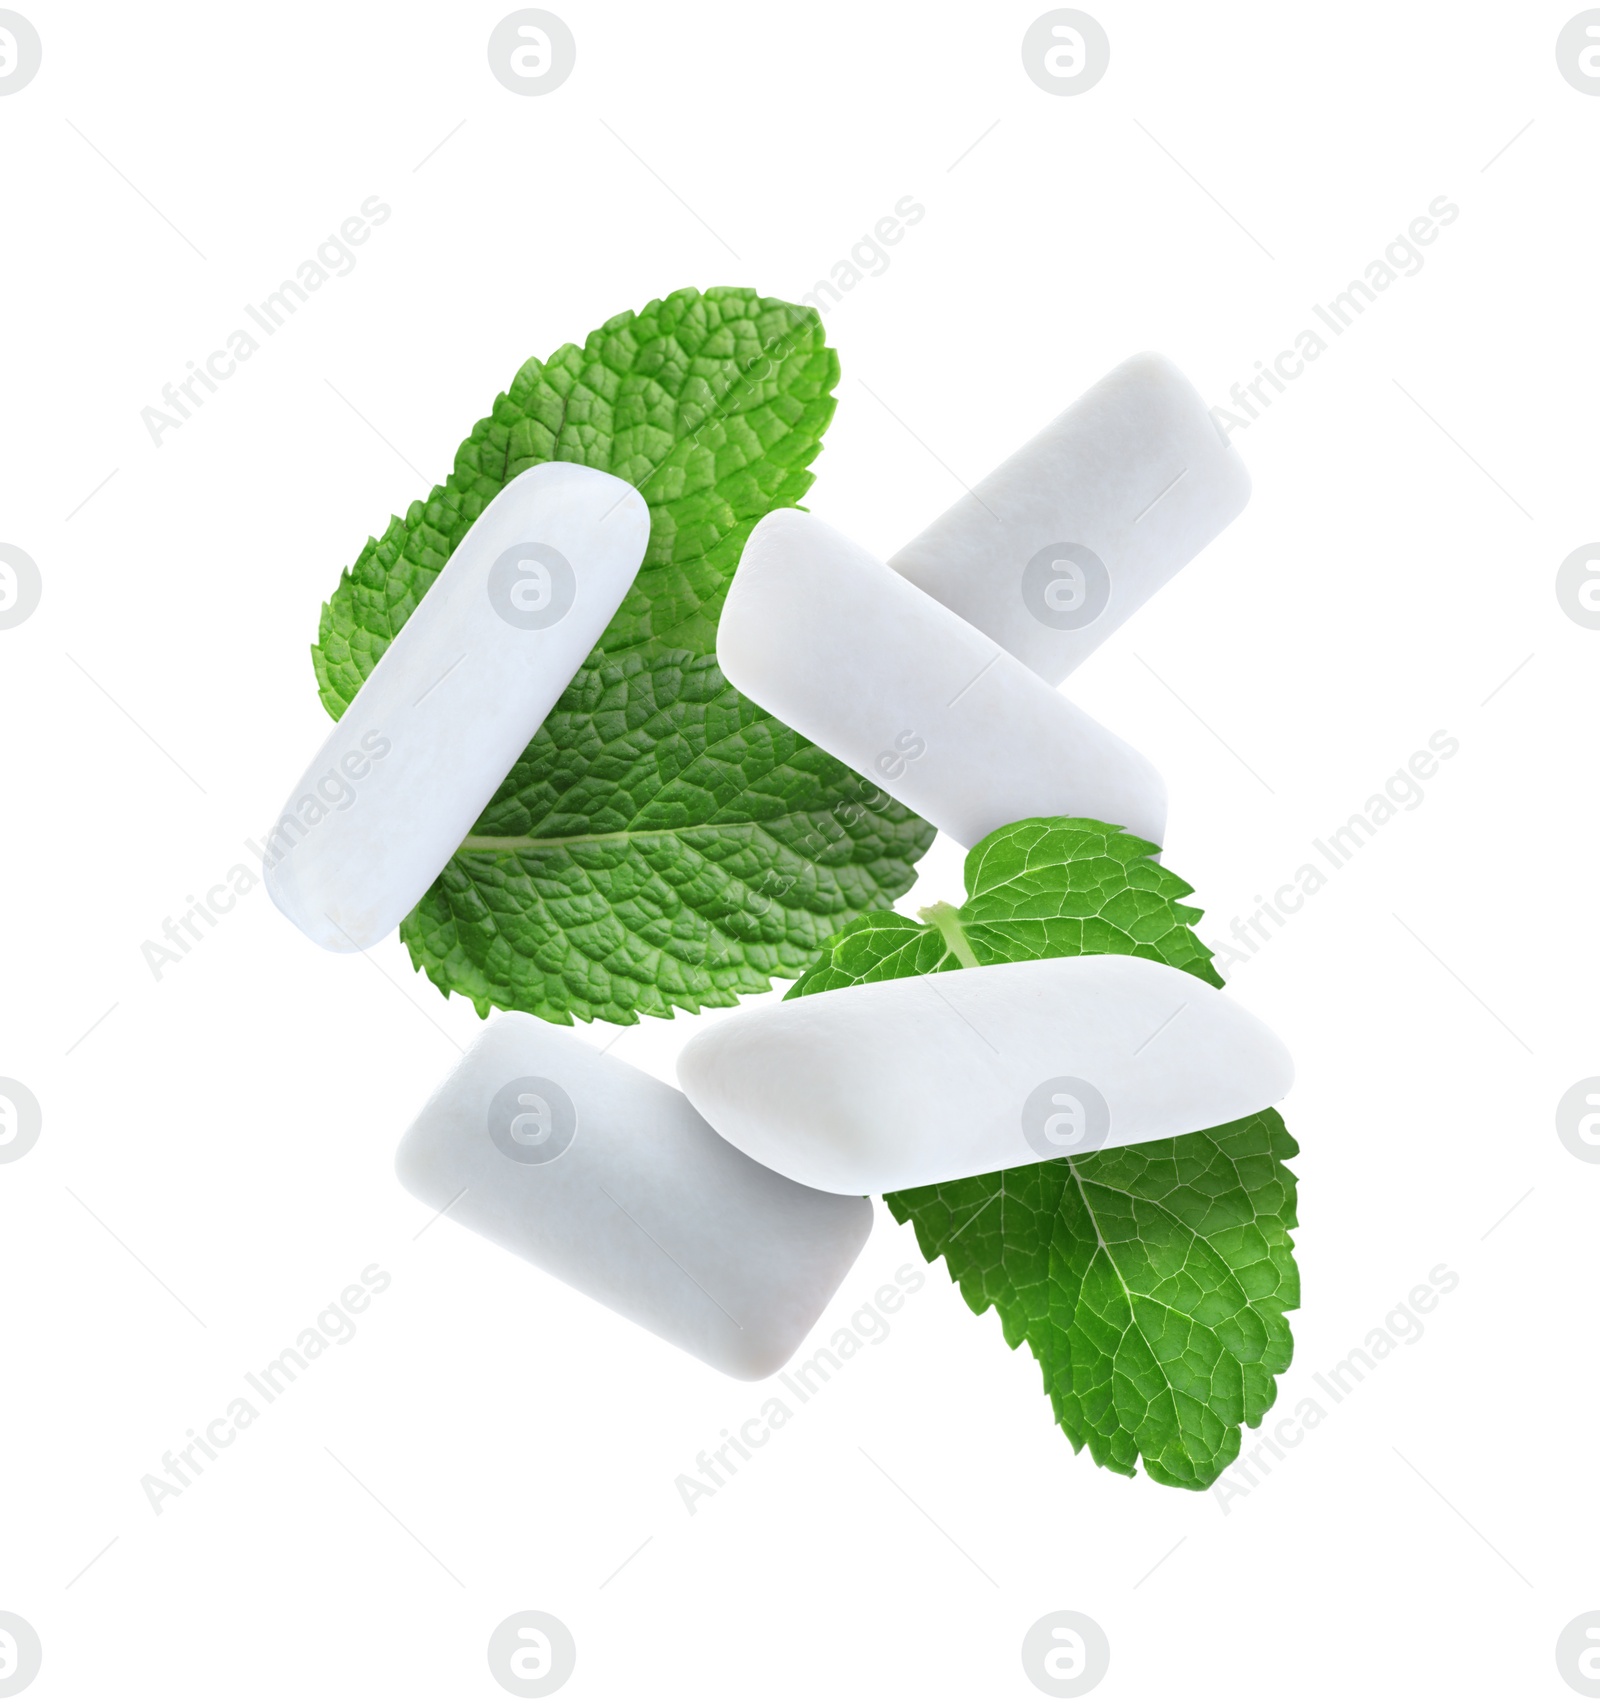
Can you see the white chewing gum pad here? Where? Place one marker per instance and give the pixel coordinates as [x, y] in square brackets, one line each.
[821, 634]
[454, 700]
[879, 1087]
[1067, 538]
[608, 1180]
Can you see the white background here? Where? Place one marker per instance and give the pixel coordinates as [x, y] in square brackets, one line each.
[233, 1124]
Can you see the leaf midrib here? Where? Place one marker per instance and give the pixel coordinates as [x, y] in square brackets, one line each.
[946, 921]
[1127, 1291]
[515, 844]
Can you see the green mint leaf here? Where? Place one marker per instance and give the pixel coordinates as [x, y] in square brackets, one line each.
[1037, 888]
[662, 843]
[1150, 1281]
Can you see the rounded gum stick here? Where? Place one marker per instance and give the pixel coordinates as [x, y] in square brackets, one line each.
[874, 671]
[1060, 545]
[911, 1081]
[458, 694]
[639, 1205]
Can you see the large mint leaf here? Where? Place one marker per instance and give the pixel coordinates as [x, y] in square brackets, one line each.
[1150, 1281]
[615, 872]
[662, 842]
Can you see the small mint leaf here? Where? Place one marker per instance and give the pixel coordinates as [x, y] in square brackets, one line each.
[1150, 1281]
[1037, 888]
